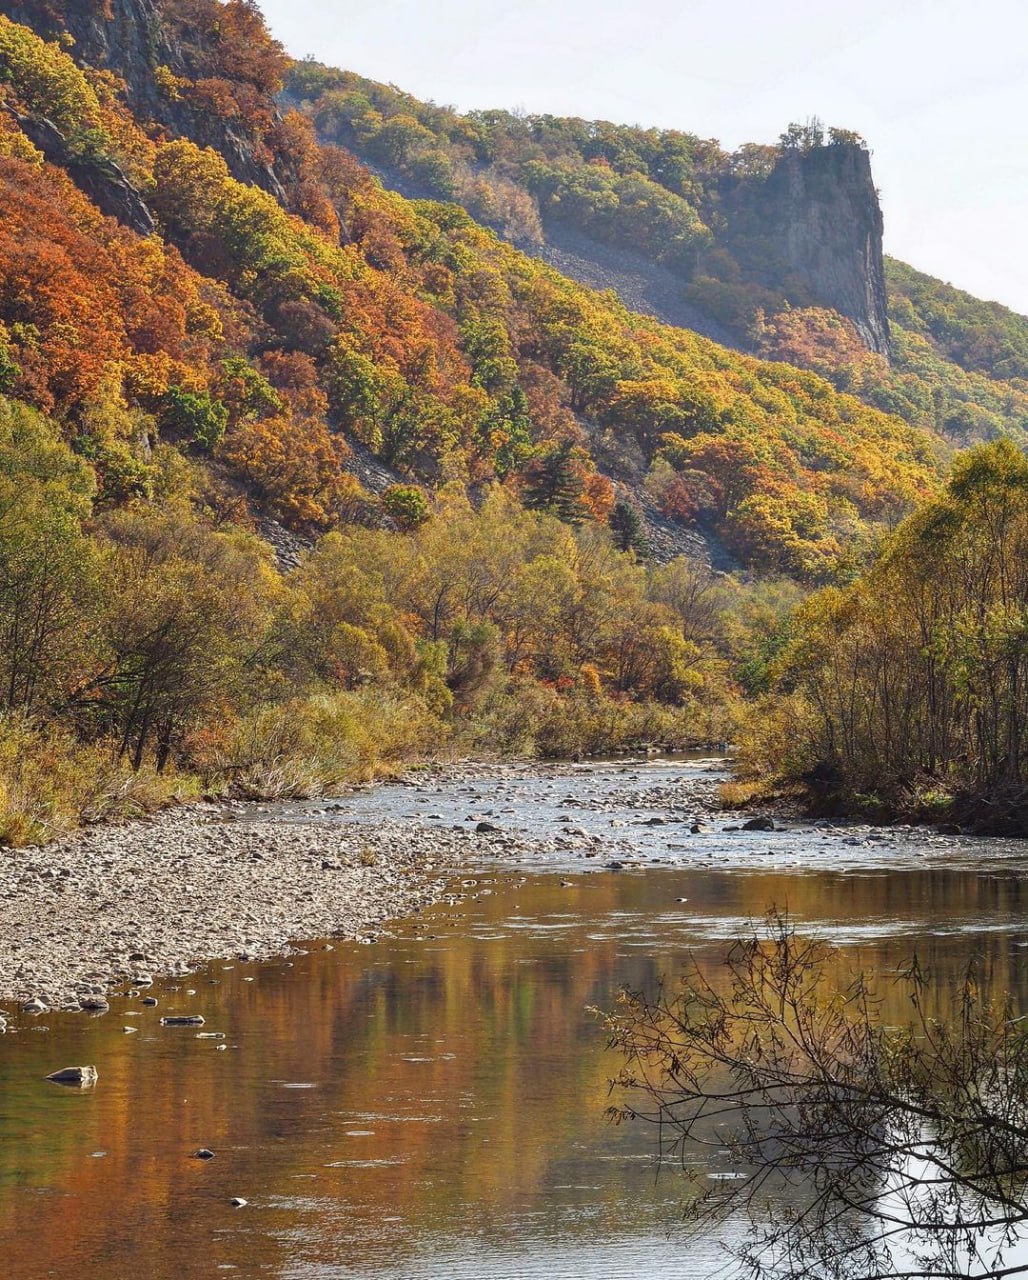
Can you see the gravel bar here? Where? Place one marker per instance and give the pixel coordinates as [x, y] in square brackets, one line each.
[161, 896]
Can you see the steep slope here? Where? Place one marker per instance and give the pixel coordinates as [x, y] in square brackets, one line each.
[196, 70]
[800, 222]
[775, 250]
[814, 221]
[408, 329]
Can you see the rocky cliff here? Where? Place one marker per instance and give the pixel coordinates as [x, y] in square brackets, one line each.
[133, 39]
[813, 226]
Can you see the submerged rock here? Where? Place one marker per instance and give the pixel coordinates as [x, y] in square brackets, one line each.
[83, 1077]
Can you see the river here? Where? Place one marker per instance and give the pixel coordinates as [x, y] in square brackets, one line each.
[429, 1106]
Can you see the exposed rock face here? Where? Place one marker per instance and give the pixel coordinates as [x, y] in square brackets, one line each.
[132, 42]
[817, 218]
[101, 180]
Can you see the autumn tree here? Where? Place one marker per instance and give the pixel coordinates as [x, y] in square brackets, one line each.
[912, 681]
[185, 621]
[48, 568]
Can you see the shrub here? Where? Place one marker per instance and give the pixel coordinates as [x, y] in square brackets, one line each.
[51, 783]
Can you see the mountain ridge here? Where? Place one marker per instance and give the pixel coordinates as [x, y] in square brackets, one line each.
[507, 170]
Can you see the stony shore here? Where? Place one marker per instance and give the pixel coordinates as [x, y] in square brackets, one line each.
[117, 905]
[162, 896]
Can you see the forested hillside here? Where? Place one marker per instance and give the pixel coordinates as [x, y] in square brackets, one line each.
[208, 319]
[728, 225]
[267, 341]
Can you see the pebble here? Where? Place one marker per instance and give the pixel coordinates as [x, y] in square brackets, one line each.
[254, 884]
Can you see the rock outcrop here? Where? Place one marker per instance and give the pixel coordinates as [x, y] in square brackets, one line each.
[815, 223]
[101, 179]
[130, 38]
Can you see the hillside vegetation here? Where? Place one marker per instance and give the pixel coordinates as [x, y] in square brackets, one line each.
[161, 392]
[957, 364]
[906, 692]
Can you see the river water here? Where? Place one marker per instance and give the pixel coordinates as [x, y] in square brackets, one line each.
[430, 1107]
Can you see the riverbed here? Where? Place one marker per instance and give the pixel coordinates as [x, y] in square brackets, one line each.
[425, 1101]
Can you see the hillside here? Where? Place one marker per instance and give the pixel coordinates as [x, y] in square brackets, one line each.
[401, 326]
[775, 250]
[758, 228]
[213, 325]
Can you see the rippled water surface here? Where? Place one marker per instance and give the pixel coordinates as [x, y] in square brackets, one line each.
[431, 1106]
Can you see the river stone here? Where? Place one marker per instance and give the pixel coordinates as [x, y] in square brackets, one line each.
[487, 828]
[759, 824]
[205, 1153]
[35, 1005]
[84, 1077]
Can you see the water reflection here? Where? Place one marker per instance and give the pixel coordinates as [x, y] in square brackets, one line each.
[430, 1106]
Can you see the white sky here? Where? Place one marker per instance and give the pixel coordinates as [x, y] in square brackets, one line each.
[939, 88]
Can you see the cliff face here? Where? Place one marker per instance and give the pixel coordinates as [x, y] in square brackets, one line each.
[815, 225]
[130, 38]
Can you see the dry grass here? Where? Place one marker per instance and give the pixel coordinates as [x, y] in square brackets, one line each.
[314, 745]
[743, 794]
[50, 784]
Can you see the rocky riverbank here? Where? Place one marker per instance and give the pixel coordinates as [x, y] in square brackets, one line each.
[161, 896]
[112, 907]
